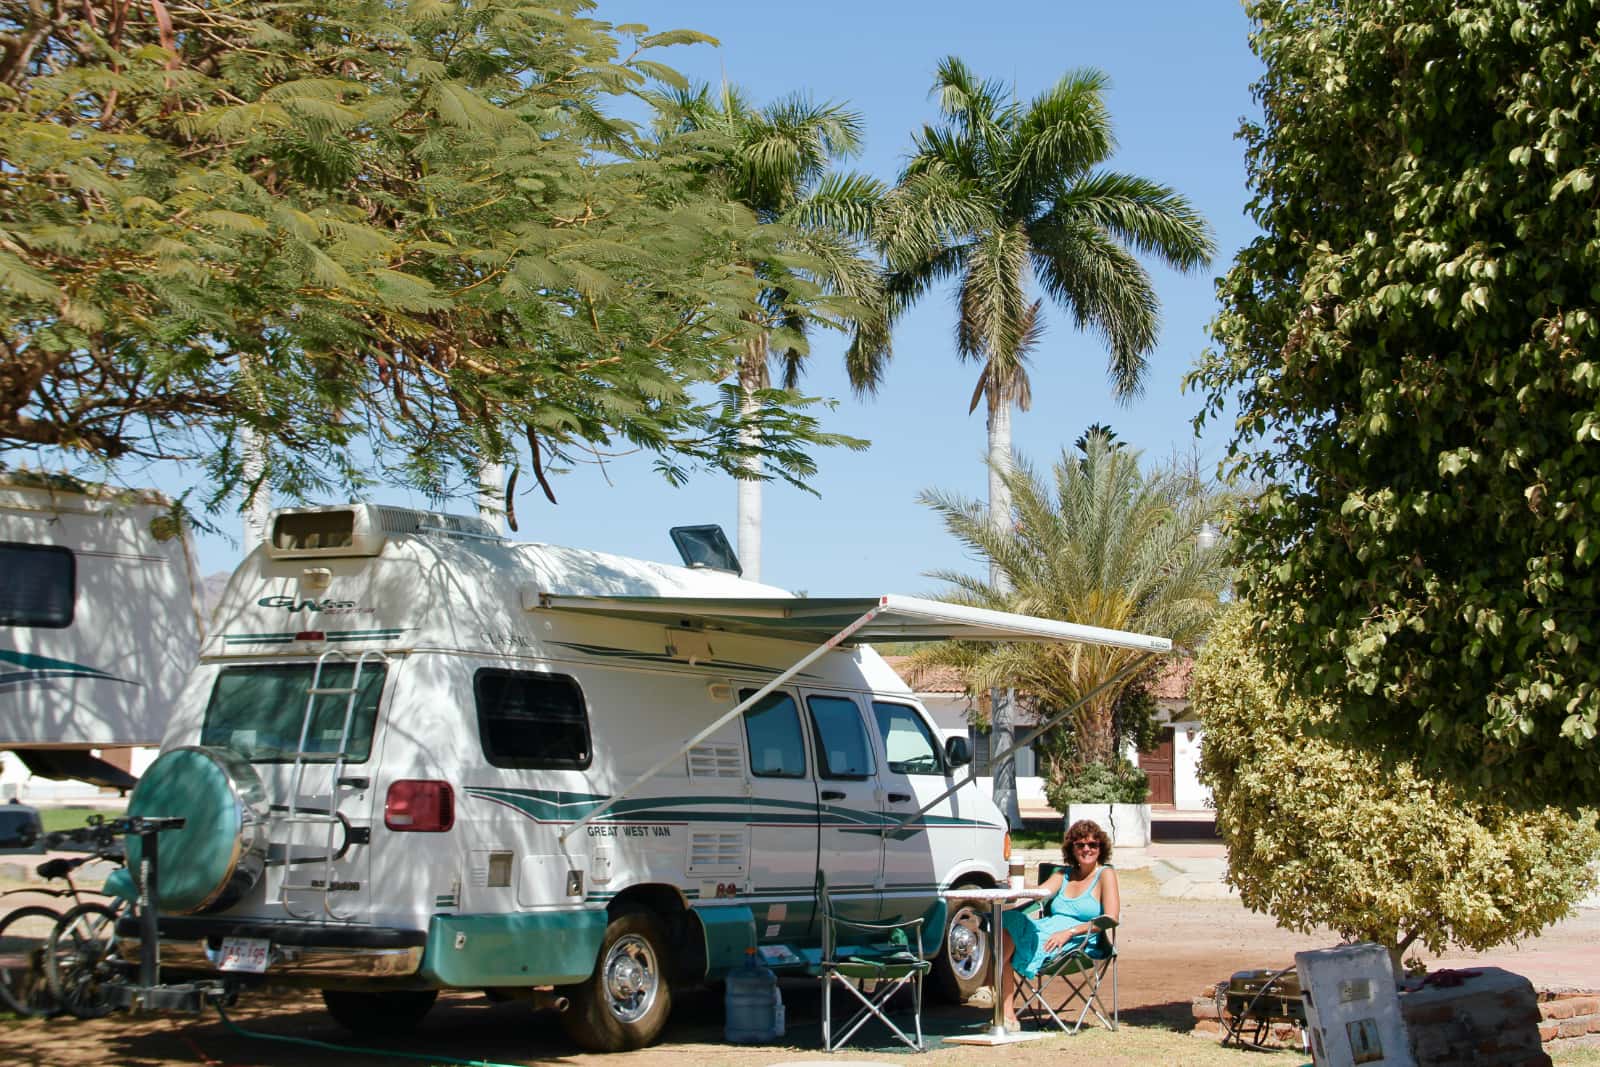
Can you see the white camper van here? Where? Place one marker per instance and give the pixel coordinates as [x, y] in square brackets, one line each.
[100, 621]
[416, 756]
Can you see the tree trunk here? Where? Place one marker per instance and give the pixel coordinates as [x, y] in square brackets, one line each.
[1002, 702]
[492, 494]
[1097, 734]
[256, 511]
[749, 505]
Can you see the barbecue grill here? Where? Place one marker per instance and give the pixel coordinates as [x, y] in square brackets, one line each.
[1253, 1001]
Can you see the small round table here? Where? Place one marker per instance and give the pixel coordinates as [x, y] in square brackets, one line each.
[996, 1034]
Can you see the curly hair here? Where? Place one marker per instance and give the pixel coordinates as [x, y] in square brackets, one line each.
[1084, 830]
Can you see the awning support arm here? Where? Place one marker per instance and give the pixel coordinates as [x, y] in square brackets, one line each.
[738, 709]
[1011, 753]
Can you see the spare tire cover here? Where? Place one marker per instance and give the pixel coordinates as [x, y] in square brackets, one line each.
[221, 850]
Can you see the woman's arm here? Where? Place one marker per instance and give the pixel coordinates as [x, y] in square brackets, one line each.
[1110, 895]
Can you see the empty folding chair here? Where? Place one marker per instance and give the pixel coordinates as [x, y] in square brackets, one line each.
[887, 956]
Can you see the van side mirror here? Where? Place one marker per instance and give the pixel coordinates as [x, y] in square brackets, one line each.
[957, 752]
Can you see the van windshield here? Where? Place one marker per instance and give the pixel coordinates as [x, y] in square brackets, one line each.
[258, 710]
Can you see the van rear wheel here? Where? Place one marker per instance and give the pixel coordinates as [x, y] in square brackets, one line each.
[963, 965]
[370, 1014]
[624, 1004]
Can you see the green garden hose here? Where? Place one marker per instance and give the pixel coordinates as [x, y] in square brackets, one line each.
[331, 1047]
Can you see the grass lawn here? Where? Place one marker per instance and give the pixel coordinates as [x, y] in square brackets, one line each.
[71, 818]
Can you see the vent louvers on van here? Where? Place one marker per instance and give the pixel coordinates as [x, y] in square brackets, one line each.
[399, 522]
[715, 761]
[711, 852]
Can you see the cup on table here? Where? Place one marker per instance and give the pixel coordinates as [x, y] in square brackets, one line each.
[1018, 875]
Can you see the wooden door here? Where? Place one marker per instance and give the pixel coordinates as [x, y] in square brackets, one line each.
[1157, 764]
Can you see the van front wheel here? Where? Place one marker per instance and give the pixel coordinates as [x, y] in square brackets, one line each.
[625, 1003]
[963, 964]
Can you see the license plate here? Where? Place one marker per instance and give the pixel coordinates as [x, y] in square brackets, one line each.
[247, 954]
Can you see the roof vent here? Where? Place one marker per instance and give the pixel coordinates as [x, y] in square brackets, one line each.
[705, 547]
[361, 529]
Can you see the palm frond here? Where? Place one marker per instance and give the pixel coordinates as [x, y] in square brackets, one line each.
[1107, 291]
[1065, 131]
[1151, 218]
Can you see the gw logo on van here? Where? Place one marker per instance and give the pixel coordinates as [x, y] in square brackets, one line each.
[289, 603]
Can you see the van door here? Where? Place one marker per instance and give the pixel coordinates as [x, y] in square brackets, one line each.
[783, 820]
[321, 805]
[849, 807]
[918, 858]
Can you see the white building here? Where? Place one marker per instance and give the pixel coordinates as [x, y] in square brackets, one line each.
[1173, 766]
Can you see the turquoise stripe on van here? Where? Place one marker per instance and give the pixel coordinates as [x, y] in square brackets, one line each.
[555, 806]
[287, 637]
[531, 948]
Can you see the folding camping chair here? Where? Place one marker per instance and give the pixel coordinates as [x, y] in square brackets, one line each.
[1081, 971]
[888, 956]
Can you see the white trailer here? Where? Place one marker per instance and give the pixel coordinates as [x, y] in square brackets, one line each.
[100, 621]
[416, 756]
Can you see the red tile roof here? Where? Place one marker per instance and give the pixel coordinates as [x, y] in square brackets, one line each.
[1171, 684]
[927, 679]
[1173, 681]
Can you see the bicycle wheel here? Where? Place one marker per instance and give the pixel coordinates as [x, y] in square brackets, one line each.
[24, 980]
[81, 960]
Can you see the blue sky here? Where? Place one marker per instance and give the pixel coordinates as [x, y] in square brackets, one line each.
[1180, 72]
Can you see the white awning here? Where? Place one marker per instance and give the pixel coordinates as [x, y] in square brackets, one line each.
[815, 620]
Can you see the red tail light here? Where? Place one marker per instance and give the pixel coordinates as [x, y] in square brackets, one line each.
[419, 806]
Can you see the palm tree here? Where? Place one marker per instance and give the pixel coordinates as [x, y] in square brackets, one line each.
[1099, 543]
[775, 161]
[1000, 196]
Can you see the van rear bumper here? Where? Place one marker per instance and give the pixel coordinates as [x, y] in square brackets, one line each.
[312, 951]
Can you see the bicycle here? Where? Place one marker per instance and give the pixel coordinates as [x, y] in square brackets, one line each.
[25, 933]
[80, 955]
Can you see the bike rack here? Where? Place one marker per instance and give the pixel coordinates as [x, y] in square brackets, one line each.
[150, 993]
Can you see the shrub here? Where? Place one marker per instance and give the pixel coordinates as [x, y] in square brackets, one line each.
[1322, 834]
[1097, 783]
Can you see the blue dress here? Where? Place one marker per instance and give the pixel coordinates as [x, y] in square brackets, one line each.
[1028, 934]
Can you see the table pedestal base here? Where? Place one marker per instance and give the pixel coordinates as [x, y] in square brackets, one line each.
[989, 1037]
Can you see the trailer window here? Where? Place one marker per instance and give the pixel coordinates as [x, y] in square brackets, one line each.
[842, 745]
[908, 745]
[259, 711]
[531, 721]
[40, 587]
[777, 749]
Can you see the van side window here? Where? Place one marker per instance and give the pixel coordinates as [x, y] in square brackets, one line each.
[531, 721]
[40, 587]
[777, 749]
[842, 747]
[258, 710]
[908, 745]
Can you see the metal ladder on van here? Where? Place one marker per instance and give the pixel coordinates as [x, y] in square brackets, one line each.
[294, 816]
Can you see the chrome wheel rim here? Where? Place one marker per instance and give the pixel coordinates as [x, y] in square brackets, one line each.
[968, 944]
[632, 977]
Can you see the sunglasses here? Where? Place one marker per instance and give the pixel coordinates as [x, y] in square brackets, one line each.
[1087, 844]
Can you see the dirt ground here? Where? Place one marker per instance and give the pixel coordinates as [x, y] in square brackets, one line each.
[1171, 950]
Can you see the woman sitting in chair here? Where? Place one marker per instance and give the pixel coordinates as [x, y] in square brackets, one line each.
[1085, 889]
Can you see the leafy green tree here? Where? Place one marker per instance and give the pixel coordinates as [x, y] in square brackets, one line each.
[1000, 196]
[410, 235]
[1320, 834]
[775, 161]
[1411, 347]
[1097, 542]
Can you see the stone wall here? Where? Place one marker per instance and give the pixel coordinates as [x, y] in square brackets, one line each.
[1486, 1016]
[1565, 1015]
